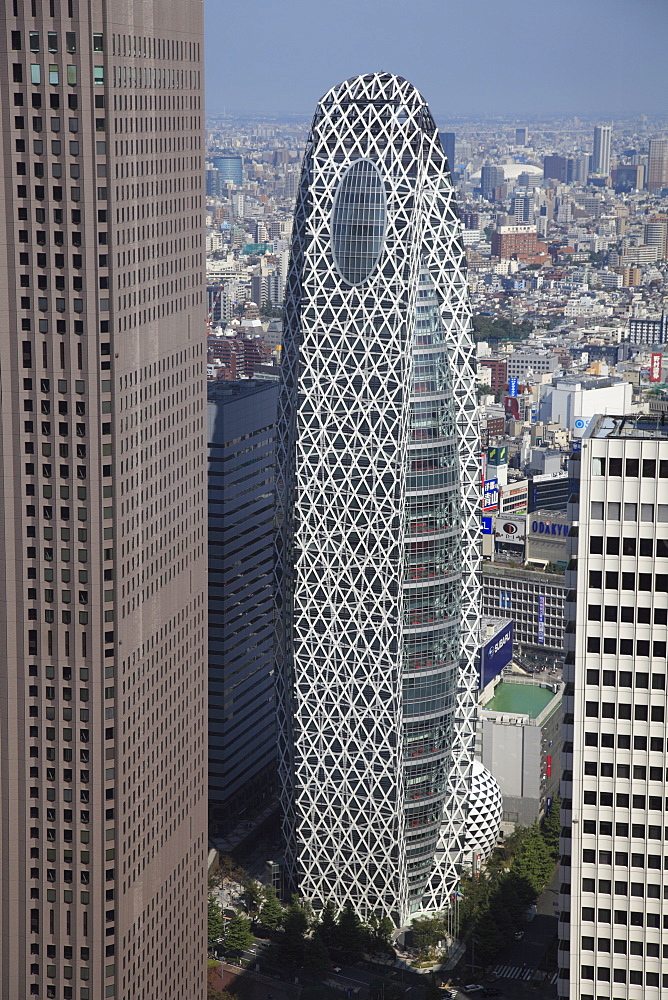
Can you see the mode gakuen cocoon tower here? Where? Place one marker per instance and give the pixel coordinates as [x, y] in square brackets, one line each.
[378, 512]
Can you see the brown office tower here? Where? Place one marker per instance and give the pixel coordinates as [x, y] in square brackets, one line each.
[102, 497]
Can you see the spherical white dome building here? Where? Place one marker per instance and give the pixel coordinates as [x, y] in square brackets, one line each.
[485, 808]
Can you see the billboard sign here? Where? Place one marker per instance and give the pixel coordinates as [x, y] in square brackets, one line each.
[510, 529]
[655, 368]
[490, 495]
[497, 653]
[513, 384]
[556, 529]
[487, 526]
[580, 425]
[541, 619]
[511, 406]
[497, 456]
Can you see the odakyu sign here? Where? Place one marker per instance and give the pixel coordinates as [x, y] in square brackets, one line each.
[555, 529]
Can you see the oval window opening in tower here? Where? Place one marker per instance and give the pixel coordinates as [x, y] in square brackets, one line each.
[358, 221]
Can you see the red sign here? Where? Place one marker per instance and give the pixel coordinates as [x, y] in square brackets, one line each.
[549, 767]
[655, 368]
[512, 407]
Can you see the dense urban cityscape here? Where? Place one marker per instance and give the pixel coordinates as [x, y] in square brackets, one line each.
[398, 377]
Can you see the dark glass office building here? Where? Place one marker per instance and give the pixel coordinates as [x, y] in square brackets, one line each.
[242, 729]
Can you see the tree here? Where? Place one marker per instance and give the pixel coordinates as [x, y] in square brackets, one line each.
[215, 922]
[380, 934]
[328, 927]
[213, 994]
[551, 829]
[349, 932]
[228, 868]
[253, 897]
[427, 933]
[533, 862]
[316, 956]
[295, 925]
[238, 935]
[271, 914]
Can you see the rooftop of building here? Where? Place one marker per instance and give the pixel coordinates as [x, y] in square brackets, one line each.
[525, 697]
[221, 391]
[638, 425]
[586, 381]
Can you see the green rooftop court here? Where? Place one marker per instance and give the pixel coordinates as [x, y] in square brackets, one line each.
[520, 699]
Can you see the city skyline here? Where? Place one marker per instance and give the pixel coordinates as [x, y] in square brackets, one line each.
[512, 60]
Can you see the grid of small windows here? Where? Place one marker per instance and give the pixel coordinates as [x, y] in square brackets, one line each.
[66, 467]
[615, 761]
[520, 599]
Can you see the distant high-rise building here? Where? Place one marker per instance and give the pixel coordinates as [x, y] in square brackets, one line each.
[378, 513]
[521, 208]
[613, 875]
[213, 183]
[491, 178]
[230, 169]
[448, 143]
[521, 136]
[103, 829]
[242, 709]
[601, 154]
[656, 234]
[657, 167]
[518, 240]
[471, 220]
[555, 167]
[628, 177]
[649, 331]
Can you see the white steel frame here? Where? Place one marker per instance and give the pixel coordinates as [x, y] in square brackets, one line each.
[344, 447]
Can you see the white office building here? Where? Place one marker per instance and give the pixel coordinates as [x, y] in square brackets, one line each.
[614, 874]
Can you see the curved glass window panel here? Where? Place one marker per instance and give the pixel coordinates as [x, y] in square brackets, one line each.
[358, 221]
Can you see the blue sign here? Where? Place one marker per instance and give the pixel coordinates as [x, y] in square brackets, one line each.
[490, 494]
[504, 599]
[497, 654]
[487, 525]
[550, 528]
[512, 386]
[541, 619]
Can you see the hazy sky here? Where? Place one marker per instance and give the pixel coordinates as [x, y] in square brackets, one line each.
[468, 57]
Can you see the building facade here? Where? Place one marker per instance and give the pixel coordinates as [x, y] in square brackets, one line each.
[491, 178]
[103, 535]
[230, 169]
[242, 704]
[601, 155]
[613, 927]
[499, 373]
[519, 728]
[515, 241]
[534, 600]
[649, 331]
[378, 496]
[657, 165]
[448, 143]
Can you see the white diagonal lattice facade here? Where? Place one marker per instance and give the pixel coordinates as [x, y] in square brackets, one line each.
[378, 500]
